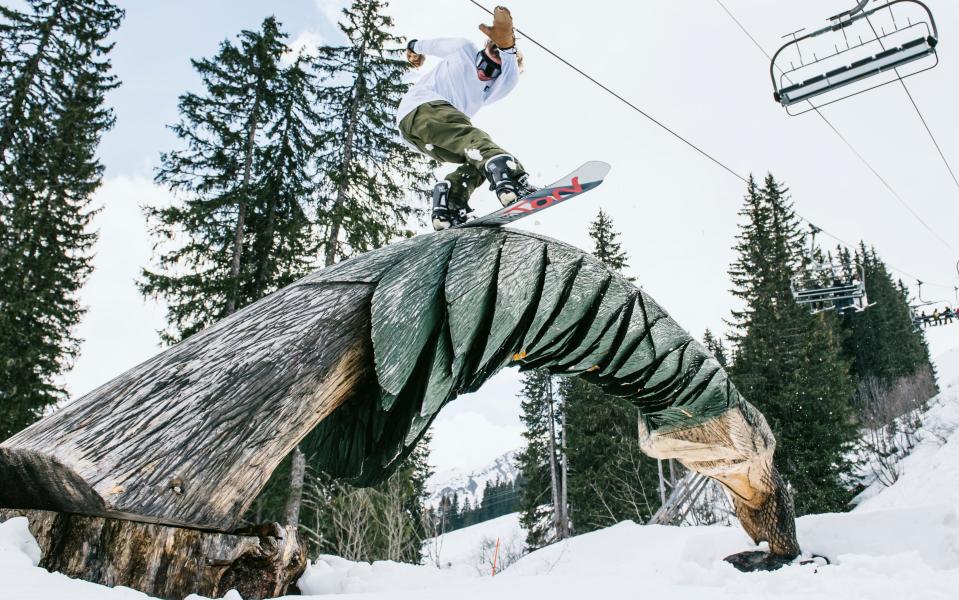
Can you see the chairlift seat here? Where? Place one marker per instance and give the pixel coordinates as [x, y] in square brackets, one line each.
[857, 71]
[912, 36]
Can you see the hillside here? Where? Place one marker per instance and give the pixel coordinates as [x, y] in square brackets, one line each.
[901, 542]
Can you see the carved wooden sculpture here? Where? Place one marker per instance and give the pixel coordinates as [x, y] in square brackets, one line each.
[356, 360]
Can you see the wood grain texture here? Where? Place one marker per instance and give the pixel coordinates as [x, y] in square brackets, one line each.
[190, 436]
[358, 359]
[166, 562]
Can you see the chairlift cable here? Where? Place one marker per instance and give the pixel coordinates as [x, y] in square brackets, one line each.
[709, 156]
[922, 118]
[846, 141]
[623, 100]
[858, 155]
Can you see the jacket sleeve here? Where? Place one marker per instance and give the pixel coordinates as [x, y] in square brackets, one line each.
[507, 80]
[440, 46]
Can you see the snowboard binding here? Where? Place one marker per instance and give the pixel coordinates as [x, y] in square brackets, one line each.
[443, 216]
[507, 180]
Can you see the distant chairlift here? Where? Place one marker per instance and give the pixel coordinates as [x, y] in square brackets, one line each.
[921, 320]
[823, 286]
[857, 46]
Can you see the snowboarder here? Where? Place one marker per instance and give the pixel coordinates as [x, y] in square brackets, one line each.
[434, 116]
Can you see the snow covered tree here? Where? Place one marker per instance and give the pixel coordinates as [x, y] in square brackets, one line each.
[788, 362]
[370, 179]
[54, 76]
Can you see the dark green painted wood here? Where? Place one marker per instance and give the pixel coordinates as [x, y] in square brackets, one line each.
[521, 273]
[407, 306]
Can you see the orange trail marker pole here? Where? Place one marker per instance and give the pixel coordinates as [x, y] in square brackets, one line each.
[495, 555]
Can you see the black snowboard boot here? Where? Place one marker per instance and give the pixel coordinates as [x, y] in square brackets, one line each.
[506, 179]
[445, 217]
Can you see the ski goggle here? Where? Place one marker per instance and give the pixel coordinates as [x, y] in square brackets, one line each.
[487, 65]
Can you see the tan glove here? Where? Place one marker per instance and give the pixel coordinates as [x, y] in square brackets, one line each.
[416, 60]
[502, 30]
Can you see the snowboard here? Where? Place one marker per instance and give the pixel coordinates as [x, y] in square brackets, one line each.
[584, 178]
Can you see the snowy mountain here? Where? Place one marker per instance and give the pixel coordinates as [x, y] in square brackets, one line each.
[471, 484]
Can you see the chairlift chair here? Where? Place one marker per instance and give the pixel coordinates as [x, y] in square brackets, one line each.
[841, 294]
[856, 46]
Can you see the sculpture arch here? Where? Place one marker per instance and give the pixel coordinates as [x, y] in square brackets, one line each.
[356, 360]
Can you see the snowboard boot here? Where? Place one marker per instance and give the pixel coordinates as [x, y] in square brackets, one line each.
[507, 180]
[445, 217]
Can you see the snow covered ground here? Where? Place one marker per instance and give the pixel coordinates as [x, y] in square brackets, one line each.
[901, 542]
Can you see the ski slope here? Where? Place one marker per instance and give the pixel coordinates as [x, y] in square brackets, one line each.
[900, 542]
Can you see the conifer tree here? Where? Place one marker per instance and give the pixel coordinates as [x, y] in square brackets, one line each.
[606, 245]
[610, 479]
[883, 341]
[538, 462]
[788, 361]
[54, 75]
[370, 178]
[245, 182]
[716, 347]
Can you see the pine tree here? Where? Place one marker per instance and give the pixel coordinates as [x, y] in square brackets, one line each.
[606, 246]
[717, 348]
[369, 176]
[244, 176]
[788, 361]
[539, 464]
[883, 341]
[610, 479]
[54, 76]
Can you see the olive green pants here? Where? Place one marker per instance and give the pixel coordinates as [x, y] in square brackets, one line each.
[444, 133]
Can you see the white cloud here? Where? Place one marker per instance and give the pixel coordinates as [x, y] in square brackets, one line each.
[305, 43]
[332, 10]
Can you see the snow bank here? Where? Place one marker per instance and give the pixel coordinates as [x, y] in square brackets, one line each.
[462, 550]
[900, 542]
[22, 579]
[879, 555]
[930, 474]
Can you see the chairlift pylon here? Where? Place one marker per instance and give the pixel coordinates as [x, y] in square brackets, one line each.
[897, 33]
[823, 286]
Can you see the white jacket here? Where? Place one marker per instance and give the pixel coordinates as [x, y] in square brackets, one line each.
[454, 80]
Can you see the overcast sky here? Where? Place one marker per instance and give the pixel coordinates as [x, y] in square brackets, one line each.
[683, 61]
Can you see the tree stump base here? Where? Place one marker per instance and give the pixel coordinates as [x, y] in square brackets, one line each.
[167, 562]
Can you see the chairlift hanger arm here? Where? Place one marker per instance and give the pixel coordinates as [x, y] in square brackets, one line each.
[852, 11]
[859, 70]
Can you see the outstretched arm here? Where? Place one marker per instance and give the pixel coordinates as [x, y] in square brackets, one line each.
[439, 46]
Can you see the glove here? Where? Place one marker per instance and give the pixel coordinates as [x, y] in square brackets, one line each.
[415, 60]
[502, 30]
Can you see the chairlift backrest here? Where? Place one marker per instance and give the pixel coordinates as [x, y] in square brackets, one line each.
[857, 46]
